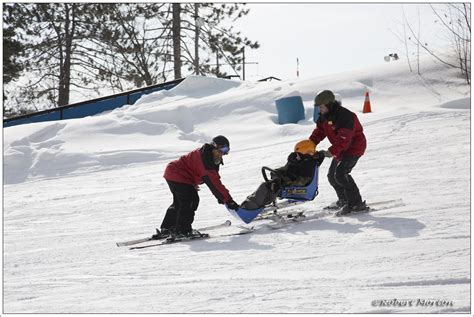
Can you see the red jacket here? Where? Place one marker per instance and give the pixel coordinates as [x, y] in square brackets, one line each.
[344, 131]
[197, 167]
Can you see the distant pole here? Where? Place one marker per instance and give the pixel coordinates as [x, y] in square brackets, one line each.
[243, 63]
[297, 68]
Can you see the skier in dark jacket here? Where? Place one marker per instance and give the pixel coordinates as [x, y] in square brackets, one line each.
[183, 177]
[344, 131]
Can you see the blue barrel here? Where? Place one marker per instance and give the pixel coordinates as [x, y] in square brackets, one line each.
[316, 114]
[290, 109]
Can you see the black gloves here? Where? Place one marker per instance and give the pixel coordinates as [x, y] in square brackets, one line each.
[319, 155]
[233, 205]
[293, 157]
[326, 153]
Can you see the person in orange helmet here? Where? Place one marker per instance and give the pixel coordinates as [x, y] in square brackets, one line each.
[298, 171]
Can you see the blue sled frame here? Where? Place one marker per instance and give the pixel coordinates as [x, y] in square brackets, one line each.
[290, 196]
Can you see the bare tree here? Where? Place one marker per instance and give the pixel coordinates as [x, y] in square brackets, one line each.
[455, 21]
[406, 46]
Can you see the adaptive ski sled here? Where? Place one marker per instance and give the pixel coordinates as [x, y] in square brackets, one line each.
[288, 196]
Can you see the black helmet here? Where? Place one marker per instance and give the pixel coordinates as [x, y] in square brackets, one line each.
[220, 141]
[325, 97]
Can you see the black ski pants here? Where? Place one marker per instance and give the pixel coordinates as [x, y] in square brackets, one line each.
[180, 215]
[340, 179]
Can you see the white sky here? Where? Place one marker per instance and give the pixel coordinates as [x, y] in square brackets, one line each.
[327, 38]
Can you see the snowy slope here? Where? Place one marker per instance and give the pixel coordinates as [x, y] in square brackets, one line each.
[73, 188]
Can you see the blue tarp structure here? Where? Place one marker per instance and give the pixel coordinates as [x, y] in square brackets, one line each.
[90, 107]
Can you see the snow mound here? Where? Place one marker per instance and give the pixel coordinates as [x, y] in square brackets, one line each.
[462, 103]
[195, 87]
[200, 86]
[165, 123]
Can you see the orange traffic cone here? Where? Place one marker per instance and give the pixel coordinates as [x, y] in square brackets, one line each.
[367, 108]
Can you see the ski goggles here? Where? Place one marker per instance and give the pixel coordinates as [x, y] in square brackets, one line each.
[224, 150]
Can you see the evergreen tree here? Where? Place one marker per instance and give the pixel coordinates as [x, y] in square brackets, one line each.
[208, 28]
[55, 38]
[12, 49]
[223, 41]
[65, 47]
[144, 44]
[130, 45]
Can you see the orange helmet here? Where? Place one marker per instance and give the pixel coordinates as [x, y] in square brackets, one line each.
[305, 147]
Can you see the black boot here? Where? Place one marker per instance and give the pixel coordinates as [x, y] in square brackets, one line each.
[193, 234]
[336, 205]
[161, 234]
[347, 209]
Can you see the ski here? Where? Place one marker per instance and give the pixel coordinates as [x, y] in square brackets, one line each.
[202, 237]
[276, 212]
[392, 203]
[280, 221]
[227, 223]
[272, 210]
[132, 242]
[383, 205]
[172, 241]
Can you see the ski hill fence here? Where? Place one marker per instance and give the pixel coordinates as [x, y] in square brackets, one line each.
[90, 107]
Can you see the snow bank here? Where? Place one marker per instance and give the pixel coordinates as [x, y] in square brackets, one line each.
[191, 87]
[164, 123]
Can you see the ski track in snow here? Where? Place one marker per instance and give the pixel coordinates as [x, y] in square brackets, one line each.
[60, 230]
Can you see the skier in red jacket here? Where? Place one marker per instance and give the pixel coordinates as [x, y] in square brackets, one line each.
[344, 131]
[183, 177]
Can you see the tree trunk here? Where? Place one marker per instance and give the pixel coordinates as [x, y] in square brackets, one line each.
[196, 39]
[177, 40]
[418, 44]
[65, 72]
[243, 63]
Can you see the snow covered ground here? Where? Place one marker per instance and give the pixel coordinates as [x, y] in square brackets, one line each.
[74, 188]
